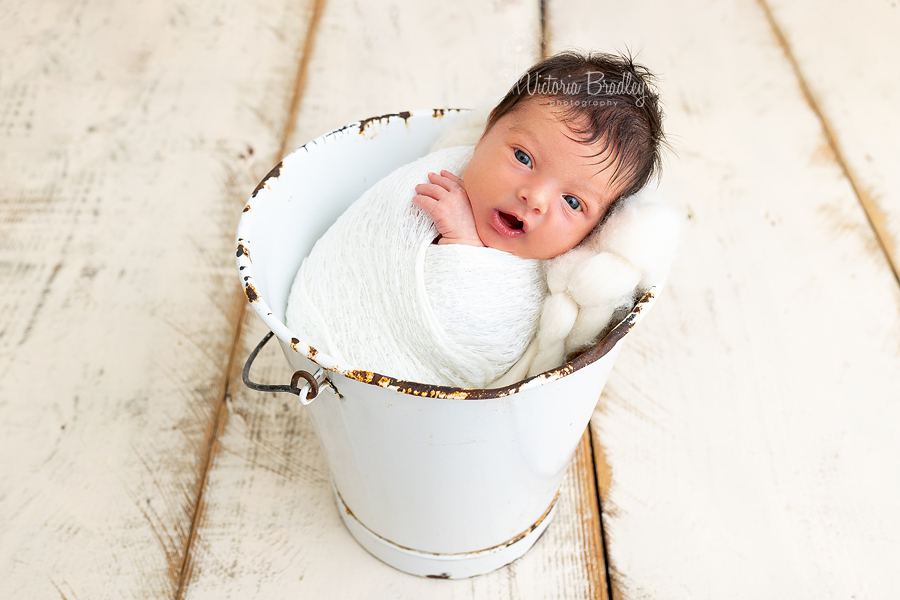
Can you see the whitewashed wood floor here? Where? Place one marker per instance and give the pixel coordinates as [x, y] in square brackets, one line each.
[745, 445]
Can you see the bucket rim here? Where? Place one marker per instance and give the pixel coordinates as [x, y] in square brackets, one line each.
[591, 355]
[244, 261]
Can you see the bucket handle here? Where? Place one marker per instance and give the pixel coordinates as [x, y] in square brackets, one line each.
[312, 381]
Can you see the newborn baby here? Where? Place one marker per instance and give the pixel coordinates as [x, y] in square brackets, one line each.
[453, 295]
[531, 189]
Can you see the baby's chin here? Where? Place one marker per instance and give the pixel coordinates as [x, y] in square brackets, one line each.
[514, 249]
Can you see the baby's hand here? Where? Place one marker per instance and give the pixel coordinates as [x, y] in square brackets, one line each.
[446, 201]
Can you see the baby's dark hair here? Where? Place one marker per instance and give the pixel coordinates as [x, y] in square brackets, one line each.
[603, 98]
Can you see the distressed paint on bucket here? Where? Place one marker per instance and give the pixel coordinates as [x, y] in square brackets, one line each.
[433, 480]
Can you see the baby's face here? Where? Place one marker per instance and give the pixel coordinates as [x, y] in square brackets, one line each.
[535, 191]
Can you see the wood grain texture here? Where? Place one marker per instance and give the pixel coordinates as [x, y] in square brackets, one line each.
[129, 134]
[846, 56]
[748, 424]
[270, 528]
[377, 58]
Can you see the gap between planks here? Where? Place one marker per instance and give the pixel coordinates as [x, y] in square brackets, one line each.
[297, 89]
[598, 467]
[877, 219]
[543, 13]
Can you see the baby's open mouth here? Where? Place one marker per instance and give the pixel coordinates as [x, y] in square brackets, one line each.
[511, 221]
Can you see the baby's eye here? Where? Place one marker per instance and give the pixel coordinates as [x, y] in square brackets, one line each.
[523, 158]
[573, 202]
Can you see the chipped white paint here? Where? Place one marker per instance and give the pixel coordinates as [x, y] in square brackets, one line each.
[749, 426]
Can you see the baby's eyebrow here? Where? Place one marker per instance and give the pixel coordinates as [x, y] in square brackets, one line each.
[596, 204]
[599, 199]
[610, 160]
[521, 131]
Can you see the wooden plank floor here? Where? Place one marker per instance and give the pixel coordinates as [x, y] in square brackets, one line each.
[744, 445]
[129, 136]
[859, 41]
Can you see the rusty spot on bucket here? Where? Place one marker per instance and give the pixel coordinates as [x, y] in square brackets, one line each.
[246, 208]
[346, 508]
[252, 296]
[534, 525]
[312, 351]
[437, 113]
[365, 122]
[405, 115]
[414, 388]
[273, 173]
[243, 251]
[441, 576]
[361, 376]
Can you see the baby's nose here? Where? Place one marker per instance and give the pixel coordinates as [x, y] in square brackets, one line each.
[536, 199]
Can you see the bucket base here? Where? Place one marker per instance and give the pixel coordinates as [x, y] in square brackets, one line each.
[442, 566]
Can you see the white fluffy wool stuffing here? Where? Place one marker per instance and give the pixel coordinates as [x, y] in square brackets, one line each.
[598, 279]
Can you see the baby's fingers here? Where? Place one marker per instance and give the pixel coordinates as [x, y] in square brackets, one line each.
[448, 183]
[434, 190]
[426, 203]
[452, 178]
[436, 179]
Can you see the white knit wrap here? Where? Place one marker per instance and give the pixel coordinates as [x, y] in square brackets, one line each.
[377, 295]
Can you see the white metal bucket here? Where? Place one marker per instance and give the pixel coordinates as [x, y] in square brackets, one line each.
[435, 481]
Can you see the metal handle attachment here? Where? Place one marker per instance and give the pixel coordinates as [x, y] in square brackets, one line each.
[312, 381]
